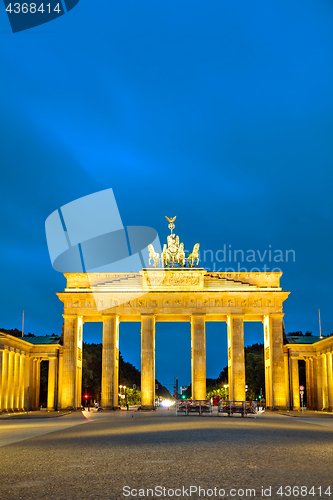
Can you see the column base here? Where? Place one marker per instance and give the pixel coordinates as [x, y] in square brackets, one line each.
[65, 408]
[147, 408]
[110, 408]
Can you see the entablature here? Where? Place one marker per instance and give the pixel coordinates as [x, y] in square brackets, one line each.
[172, 279]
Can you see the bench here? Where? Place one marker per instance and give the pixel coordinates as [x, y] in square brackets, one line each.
[243, 407]
[193, 406]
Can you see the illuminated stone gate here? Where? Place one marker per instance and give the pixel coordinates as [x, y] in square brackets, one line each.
[172, 290]
[173, 294]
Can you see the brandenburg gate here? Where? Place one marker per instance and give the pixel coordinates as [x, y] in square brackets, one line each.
[170, 291]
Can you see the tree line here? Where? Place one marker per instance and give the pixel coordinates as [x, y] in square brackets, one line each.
[129, 376]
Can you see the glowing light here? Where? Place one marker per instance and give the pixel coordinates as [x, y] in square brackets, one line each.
[167, 402]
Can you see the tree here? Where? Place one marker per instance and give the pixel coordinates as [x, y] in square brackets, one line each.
[254, 370]
[254, 375]
[128, 374]
[16, 333]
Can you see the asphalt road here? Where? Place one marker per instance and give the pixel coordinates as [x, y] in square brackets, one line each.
[95, 457]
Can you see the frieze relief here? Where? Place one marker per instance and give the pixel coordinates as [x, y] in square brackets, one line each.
[173, 279]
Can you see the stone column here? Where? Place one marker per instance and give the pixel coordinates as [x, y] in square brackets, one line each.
[308, 375]
[295, 383]
[11, 368]
[329, 380]
[110, 361]
[317, 378]
[236, 358]
[22, 382]
[29, 369]
[37, 384]
[16, 380]
[32, 392]
[2, 352]
[68, 396]
[274, 363]
[324, 381]
[147, 362]
[198, 356]
[60, 377]
[267, 361]
[312, 385]
[3, 379]
[51, 384]
[286, 377]
[79, 387]
[79, 340]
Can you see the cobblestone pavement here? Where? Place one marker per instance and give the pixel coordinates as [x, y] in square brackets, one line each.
[119, 455]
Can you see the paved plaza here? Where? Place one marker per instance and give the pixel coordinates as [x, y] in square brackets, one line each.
[119, 455]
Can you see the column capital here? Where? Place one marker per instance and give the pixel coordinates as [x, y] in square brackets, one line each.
[276, 315]
[70, 316]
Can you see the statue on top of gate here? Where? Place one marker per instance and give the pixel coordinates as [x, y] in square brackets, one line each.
[173, 253]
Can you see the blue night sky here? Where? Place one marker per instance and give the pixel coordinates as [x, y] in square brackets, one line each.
[219, 112]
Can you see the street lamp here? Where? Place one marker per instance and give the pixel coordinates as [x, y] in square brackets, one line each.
[122, 396]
